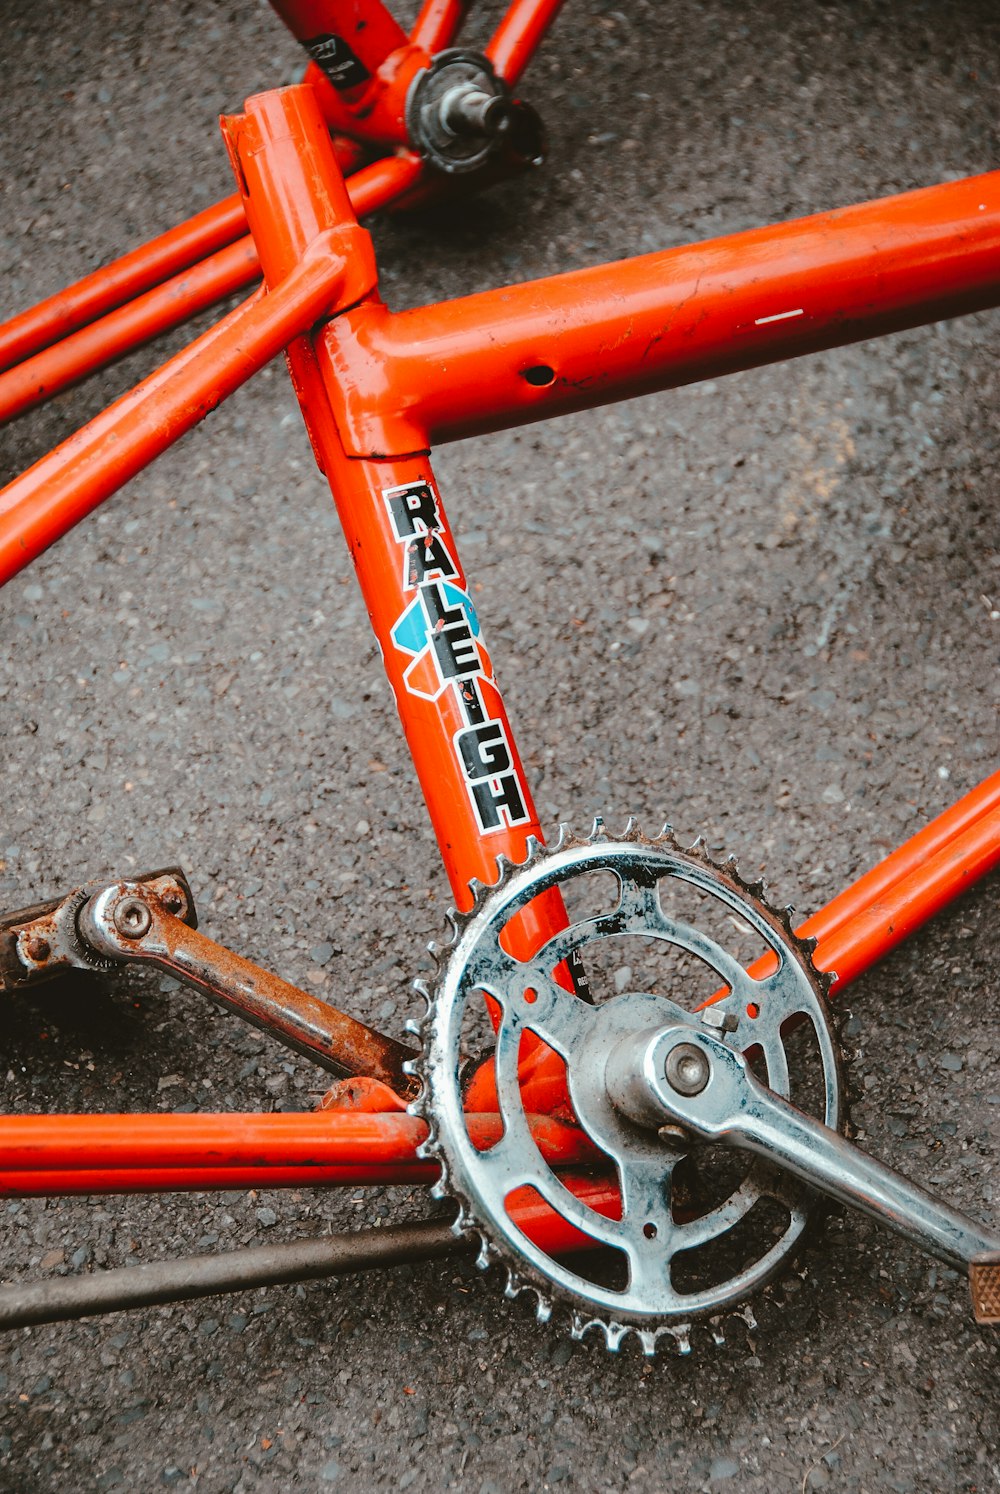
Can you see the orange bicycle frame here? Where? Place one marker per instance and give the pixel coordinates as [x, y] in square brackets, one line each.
[378, 389]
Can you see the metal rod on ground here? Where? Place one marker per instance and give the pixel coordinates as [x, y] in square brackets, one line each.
[161, 1282]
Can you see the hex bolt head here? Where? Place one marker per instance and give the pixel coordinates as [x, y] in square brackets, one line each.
[687, 1069]
[720, 1021]
[132, 918]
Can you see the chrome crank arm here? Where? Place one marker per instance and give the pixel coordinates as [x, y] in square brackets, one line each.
[695, 1081]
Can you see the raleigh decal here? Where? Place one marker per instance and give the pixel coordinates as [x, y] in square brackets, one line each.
[440, 631]
[332, 53]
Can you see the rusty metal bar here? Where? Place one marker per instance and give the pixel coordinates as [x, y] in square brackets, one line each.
[127, 921]
[237, 1271]
[305, 1260]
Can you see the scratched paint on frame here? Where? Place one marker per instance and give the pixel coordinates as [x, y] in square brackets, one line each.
[440, 631]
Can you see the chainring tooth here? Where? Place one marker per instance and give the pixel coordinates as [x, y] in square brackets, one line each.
[521, 1273]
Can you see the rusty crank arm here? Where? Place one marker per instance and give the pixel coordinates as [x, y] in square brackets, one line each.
[151, 920]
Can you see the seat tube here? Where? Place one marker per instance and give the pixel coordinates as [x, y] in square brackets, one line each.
[438, 662]
[433, 647]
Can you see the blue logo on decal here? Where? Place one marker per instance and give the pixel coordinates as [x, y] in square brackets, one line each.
[413, 630]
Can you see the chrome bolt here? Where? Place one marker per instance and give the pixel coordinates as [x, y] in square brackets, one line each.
[687, 1069]
[132, 918]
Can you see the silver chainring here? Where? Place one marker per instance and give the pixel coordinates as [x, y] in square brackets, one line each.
[663, 1224]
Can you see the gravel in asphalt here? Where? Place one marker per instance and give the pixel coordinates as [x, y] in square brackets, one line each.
[765, 607]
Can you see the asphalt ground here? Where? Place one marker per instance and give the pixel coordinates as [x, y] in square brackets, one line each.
[764, 607]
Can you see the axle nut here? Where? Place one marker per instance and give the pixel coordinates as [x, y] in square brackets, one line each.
[687, 1069]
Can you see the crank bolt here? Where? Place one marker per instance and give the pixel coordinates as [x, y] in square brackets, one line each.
[132, 918]
[687, 1069]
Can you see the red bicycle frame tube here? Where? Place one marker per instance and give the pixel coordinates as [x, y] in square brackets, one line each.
[438, 23]
[101, 342]
[518, 35]
[528, 1210]
[203, 1144]
[372, 107]
[161, 262]
[403, 548]
[168, 305]
[63, 487]
[527, 352]
[882, 908]
[395, 382]
[854, 931]
[129, 276]
[352, 37]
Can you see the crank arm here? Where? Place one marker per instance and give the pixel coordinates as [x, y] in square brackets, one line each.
[144, 922]
[41, 942]
[696, 1082]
